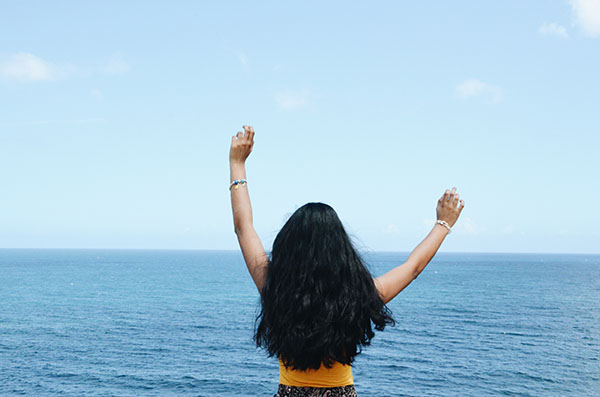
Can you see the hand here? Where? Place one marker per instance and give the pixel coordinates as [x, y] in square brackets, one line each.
[241, 145]
[449, 207]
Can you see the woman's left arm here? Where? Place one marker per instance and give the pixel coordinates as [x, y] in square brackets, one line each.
[252, 248]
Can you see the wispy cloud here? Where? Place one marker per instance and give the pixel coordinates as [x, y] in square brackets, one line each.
[464, 225]
[115, 67]
[48, 122]
[27, 67]
[428, 224]
[96, 93]
[508, 229]
[292, 99]
[391, 228]
[553, 29]
[587, 14]
[467, 226]
[243, 59]
[477, 88]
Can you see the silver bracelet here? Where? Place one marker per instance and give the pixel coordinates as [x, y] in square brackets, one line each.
[445, 224]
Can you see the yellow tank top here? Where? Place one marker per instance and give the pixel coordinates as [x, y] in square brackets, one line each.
[338, 375]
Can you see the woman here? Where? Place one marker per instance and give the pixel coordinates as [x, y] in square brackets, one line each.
[319, 302]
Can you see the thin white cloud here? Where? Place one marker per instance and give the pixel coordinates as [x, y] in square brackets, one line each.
[46, 122]
[587, 14]
[476, 88]
[553, 29]
[290, 99]
[96, 93]
[462, 226]
[27, 67]
[116, 66]
[428, 224]
[508, 229]
[391, 229]
[467, 226]
[243, 59]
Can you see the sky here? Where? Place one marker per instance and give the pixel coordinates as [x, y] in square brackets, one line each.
[116, 120]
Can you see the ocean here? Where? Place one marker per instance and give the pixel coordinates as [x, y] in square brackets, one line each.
[179, 323]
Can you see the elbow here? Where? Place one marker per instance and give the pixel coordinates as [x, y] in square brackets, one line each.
[240, 228]
[418, 268]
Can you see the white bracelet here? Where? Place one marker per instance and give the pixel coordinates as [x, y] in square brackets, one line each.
[445, 224]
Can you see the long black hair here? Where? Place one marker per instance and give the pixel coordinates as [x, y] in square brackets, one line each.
[319, 300]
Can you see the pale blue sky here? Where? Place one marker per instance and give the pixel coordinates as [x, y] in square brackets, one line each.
[116, 120]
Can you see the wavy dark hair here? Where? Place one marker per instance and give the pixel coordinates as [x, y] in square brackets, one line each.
[319, 301]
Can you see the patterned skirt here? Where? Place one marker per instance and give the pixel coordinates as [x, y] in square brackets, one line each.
[297, 391]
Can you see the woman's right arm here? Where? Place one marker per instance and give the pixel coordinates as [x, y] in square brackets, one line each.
[391, 283]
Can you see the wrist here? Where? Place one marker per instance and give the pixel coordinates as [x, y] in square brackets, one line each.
[441, 229]
[237, 163]
[443, 225]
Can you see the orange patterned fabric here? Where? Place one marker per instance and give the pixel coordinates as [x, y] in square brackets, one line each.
[338, 375]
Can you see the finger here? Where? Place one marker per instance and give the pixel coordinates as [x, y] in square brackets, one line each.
[455, 201]
[239, 135]
[462, 205]
[452, 194]
[251, 133]
[446, 195]
[246, 132]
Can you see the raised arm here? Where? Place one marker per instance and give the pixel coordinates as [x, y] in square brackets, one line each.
[252, 248]
[391, 283]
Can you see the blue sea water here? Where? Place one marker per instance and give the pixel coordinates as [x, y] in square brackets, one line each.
[179, 323]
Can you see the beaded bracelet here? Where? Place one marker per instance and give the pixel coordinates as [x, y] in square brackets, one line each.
[236, 183]
[445, 224]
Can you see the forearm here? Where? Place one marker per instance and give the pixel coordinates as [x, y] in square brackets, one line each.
[391, 283]
[240, 199]
[425, 251]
